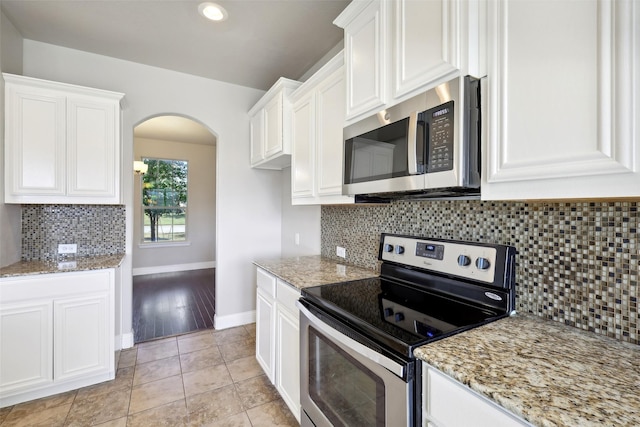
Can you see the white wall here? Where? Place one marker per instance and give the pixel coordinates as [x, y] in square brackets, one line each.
[304, 220]
[201, 205]
[10, 215]
[248, 207]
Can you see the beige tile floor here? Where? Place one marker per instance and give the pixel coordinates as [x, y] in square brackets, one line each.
[207, 378]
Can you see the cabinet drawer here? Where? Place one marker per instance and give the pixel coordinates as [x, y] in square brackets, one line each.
[448, 403]
[287, 295]
[266, 282]
[55, 285]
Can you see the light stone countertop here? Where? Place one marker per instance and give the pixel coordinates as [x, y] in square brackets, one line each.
[546, 372]
[302, 272]
[26, 268]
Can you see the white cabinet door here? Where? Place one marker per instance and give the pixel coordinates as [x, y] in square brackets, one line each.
[82, 336]
[425, 45]
[562, 95]
[265, 333]
[92, 148]
[35, 143]
[273, 126]
[317, 125]
[288, 365]
[257, 137]
[330, 123]
[365, 41]
[26, 346]
[304, 141]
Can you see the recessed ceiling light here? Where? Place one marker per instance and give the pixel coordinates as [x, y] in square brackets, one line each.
[212, 11]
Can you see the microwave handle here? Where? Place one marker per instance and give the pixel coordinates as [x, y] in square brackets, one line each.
[412, 143]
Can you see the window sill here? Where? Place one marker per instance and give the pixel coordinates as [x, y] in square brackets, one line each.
[163, 244]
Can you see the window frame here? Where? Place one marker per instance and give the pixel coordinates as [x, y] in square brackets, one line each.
[143, 243]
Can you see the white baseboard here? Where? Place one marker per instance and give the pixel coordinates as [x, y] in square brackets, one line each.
[127, 340]
[171, 268]
[231, 320]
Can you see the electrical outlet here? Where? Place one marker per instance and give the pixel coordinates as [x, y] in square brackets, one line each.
[341, 252]
[296, 239]
[69, 248]
[67, 265]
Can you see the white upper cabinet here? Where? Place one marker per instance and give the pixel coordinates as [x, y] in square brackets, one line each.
[395, 49]
[562, 102]
[270, 127]
[318, 121]
[62, 143]
[303, 159]
[366, 41]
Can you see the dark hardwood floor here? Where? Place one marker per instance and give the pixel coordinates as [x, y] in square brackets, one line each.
[169, 304]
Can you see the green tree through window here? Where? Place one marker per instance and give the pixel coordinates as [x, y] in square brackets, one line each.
[164, 200]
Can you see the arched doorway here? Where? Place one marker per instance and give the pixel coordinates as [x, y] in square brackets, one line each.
[174, 227]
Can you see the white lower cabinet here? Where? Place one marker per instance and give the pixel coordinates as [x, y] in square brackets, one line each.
[57, 333]
[26, 346]
[278, 337]
[266, 322]
[82, 336]
[448, 403]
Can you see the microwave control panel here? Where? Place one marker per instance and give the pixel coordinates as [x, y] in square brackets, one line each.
[441, 130]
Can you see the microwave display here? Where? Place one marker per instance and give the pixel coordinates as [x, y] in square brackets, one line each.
[440, 138]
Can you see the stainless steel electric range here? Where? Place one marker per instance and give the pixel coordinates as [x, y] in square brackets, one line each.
[357, 338]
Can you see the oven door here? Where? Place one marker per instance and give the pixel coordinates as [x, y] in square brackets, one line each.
[344, 383]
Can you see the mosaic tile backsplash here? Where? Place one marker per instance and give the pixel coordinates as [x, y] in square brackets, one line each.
[96, 229]
[577, 263]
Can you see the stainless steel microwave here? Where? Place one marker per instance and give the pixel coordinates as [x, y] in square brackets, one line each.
[427, 146]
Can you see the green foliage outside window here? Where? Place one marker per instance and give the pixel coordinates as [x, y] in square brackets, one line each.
[164, 200]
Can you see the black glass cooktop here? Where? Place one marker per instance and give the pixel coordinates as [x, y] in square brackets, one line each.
[396, 315]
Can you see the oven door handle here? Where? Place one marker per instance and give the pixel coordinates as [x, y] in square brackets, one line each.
[363, 350]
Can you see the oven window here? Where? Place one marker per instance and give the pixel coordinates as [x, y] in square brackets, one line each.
[346, 392]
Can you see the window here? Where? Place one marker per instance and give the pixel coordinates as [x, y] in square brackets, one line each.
[164, 201]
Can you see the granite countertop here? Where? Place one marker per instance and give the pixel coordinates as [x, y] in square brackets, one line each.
[26, 268]
[546, 372]
[302, 272]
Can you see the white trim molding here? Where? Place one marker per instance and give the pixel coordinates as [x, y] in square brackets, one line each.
[140, 271]
[231, 320]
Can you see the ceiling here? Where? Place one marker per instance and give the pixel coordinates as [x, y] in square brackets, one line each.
[261, 41]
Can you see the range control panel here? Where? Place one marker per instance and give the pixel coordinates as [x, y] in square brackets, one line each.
[471, 261]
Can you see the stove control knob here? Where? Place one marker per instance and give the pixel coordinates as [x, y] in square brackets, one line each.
[482, 263]
[399, 250]
[399, 317]
[388, 312]
[464, 260]
[388, 247]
